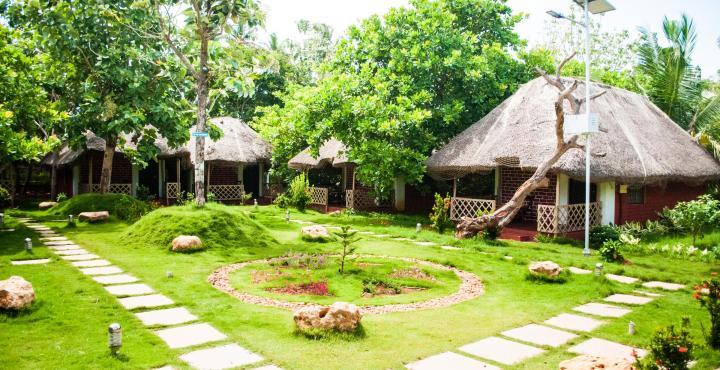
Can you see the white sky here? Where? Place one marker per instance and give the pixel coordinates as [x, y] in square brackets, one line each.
[630, 14]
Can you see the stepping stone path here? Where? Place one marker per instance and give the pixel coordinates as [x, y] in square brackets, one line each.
[661, 285]
[622, 279]
[628, 299]
[449, 248]
[574, 322]
[605, 348]
[41, 261]
[449, 360]
[222, 357]
[654, 295]
[501, 350]
[579, 271]
[540, 335]
[140, 296]
[424, 244]
[601, 309]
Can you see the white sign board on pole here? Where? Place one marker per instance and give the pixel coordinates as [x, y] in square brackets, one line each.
[578, 124]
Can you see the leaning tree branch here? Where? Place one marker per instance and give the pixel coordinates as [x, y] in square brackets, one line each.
[168, 39]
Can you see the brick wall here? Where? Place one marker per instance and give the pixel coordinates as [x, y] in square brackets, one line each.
[656, 198]
[224, 175]
[510, 180]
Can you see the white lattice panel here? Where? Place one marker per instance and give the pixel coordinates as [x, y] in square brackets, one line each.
[172, 189]
[227, 192]
[113, 188]
[318, 196]
[566, 218]
[360, 200]
[470, 207]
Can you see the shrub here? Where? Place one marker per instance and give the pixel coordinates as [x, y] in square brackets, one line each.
[121, 206]
[4, 197]
[492, 232]
[142, 192]
[211, 197]
[61, 197]
[186, 198]
[669, 349]
[711, 301]
[440, 215]
[346, 239]
[610, 251]
[696, 215]
[297, 194]
[282, 201]
[601, 233]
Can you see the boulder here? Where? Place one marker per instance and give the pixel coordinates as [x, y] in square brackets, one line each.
[586, 362]
[16, 293]
[547, 268]
[46, 205]
[94, 216]
[186, 243]
[314, 232]
[340, 316]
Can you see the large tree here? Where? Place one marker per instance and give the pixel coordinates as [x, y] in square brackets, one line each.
[116, 87]
[402, 84]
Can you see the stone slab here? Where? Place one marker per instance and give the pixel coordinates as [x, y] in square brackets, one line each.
[449, 360]
[579, 271]
[190, 335]
[654, 295]
[115, 279]
[425, 244]
[501, 350]
[72, 252]
[622, 279]
[380, 235]
[56, 243]
[662, 285]
[601, 309]
[168, 316]
[129, 289]
[80, 257]
[605, 348]
[574, 322]
[628, 299]
[106, 270]
[40, 261]
[54, 238]
[68, 247]
[146, 301]
[221, 357]
[401, 239]
[91, 263]
[365, 232]
[540, 335]
[449, 248]
[7, 230]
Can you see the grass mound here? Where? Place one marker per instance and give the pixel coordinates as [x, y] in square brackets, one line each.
[121, 206]
[217, 225]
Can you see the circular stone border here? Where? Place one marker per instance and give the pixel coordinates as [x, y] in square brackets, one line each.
[470, 287]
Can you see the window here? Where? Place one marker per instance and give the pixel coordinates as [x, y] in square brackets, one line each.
[636, 194]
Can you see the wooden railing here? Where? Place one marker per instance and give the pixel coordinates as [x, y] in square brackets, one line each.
[227, 192]
[318, 196]
[360, 200]
[470, 207]
[113, 188]
[566, 218]
[172, 190]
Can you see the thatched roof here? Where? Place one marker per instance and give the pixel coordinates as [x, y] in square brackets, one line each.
[240, 144]
[638, 143]
[331, 153]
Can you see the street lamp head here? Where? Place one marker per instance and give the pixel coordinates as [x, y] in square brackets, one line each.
[555, 14]
[596, 6]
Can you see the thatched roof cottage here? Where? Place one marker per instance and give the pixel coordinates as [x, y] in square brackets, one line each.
[641, 161]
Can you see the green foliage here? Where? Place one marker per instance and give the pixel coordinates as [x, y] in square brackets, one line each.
[4, 197]
[297, 194]
[186, 198]
[561, 278]
[217, 225]
[601, 233]
[708, 294]
[142, 192]
[492, 233]
[440, 215]
[121, 206]
[400, 85]
[211, 197]
[346, 238]
[670, 348]
[61, 197]
[695, 216]
[611, 251]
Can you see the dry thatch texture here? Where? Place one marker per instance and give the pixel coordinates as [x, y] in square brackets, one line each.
[331, 153]
[638, 143]
[240, 144]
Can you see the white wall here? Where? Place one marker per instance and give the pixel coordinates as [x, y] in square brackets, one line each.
[606, 196]
[562, 194]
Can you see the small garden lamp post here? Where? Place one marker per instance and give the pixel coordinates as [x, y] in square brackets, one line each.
[598, 269]
[591, 124]
[71, 220]
[114, 338]
[287, 216]
[631, 328]
[418, 227]
[28, 245]
[2, 219]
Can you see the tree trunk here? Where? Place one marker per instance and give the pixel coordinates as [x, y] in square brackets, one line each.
[106, 174]
[23, 188]
[202, 89]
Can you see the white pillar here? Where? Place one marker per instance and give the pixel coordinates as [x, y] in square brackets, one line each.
[497, 182]
[161, 178]
[261, 169]
[75, 180]
[134, 180]
[241, 174]
[562, 192]
[400, 193]
[606, 197]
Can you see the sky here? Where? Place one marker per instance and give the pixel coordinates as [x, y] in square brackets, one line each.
[629, 14]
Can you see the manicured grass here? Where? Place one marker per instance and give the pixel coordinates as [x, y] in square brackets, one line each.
[390, 340]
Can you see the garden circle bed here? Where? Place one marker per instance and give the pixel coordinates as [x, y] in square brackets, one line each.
[470, 287]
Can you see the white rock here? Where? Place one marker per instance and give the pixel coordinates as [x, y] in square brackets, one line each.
[186, 243]
[16, 293]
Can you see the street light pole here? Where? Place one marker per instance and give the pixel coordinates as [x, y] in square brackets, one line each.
[586, 250]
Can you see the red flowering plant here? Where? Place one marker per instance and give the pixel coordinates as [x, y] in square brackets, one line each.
[708, 294]
[670, 348]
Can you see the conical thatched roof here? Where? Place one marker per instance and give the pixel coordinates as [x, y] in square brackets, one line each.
[638, 143]
[331, 153]
[240, 144]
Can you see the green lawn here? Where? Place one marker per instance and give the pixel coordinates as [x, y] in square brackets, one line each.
[82, 309]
